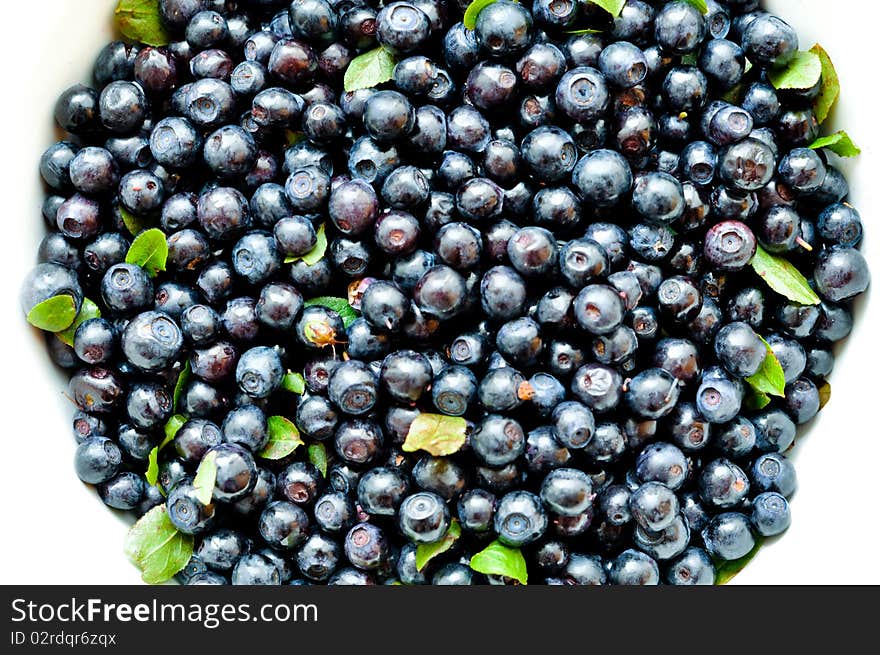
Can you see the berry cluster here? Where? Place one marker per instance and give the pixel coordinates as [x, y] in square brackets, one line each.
[540, 236]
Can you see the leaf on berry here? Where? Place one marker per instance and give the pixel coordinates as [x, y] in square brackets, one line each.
[183, 379]
[206, 478]
[149, 250]
[88, 311]
[54, 314]
[318, 457]
[781, 276]
[613, 7]
[473, 10]
[770, 378]
[339, 305]
[139, 20]
[133, 223]
[498, 559]
[824, 395]
[839, 143]
[803, 72]
[700, 5]
[756, 400]
[171, 427]
[294, 383]
[369, 69]
[283, 439]
[426, 552]
[437, 434]
[316, 254]
[156, 547]
[726, 571]
[830, 87]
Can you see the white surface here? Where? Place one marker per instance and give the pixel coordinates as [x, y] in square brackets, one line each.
[56, 530]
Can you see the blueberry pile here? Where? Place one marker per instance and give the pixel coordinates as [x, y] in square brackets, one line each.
[542, 299]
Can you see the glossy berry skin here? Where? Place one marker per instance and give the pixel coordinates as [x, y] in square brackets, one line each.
[236, 472]
[405, 375]
[97, 460]
[654, 506]
[632, 567]
[729, 536]
[582, 94]
[519, 519]
[693, 567]
[188, 514]
[423, 517]
[769, 41]
[402, 27]
[151, 341]
[603, 177]
[498, 440]
[739, 349]
[841, 273]
[770, 514]
[729, 245]
[453, 390]
[550, 153]
[259, 372]
[653, 393]
[504, 29]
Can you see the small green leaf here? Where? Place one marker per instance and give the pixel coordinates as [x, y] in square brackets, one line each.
[781, 276]
[318, 457]
[830, 87]
[88, 311]
[133, 223]
[283, 439]
[369, 69]
[206, 478]
[54, 314]
[292, 137]
[824, 395]
[839, 143]
[803, 72]
[339, 305]
[770, 378]
[498, 559]
[700, 5]
[316, 254]
[149, 250]
[726, 571]
[183, 379]
[756, 400]
[171, 427]
[588, 30]
[294, 383]
[436, 433]
[689, 59]
[613, 7]
[139, 20]
[473, 10]
[426, 552]
[156, 547]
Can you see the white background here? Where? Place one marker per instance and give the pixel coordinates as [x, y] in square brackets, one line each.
[56, 530]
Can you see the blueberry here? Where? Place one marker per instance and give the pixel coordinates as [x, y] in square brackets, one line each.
[381, 491]
[693, 567]
[97, 460]
[283, 525]
[729, 536]
[632, 567]
[503, 29]
[841, 273]
[453, 390]
[603, 177]
[406, 375]
[188, 514]
[582, 94]
[254, 569]
[769, 41]
[402, 27]
[123, 106]
[519, 519]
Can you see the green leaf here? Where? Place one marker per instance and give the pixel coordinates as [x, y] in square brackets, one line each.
[139, 20]
[54, 314]
[149, 250]
[426, 552]
[781, 276]
[339, 305]
[171, 427]
[369, 69]
[588, 30]
[829, 91]
[726, 571]
[206, 478]
[155, 546]
[689, 59]
[498, 559]
[133, 223]
[283, 439]
[183, 379]
[436, 433]
[316, 254]
[770, 378]
[318, 457]
[699, 5]
[294, 383]
[88, 311]
[839, 143]
[756, 400]
[473, 10]
[803, 72]
[824, 395]
[292, 137]
[613, 7]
